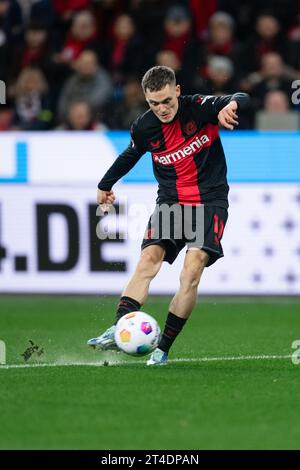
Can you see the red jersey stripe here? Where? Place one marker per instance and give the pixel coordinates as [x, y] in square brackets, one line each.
[173, 135]
[186, 170]
[187, 185]
[188, 193]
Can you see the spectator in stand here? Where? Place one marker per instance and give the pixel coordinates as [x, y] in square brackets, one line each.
[149, 18]
[106, 12]
[83, 34]
[80, 117]
[35, 51]
[32, 102]
[7, 117]
[37, 10]
[123, 54]
[196, 38]
[277, 113]
[11, 24]
[170, 59]
[177, 30]
[268, 37]
[201, 11]
[219, 78]
[245, 13]
[11, 28]
[65, 9]
[178, 37]
[220, 41]
[276, 102]
[132, 105]
[273, 76]
[294, 45]
[90, 83]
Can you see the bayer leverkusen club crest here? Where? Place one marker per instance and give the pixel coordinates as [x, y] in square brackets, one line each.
[190, 128]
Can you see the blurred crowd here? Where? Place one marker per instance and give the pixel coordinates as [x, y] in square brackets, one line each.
[77, 64]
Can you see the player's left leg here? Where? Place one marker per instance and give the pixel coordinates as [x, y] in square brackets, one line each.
[182, 303]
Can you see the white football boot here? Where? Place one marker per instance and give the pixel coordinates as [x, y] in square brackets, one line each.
[106, 341]
[158, 358]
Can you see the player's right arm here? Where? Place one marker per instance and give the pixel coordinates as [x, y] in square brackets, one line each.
[105, 197]
[121, 166]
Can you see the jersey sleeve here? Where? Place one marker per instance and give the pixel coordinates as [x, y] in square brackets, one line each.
[125, 161]
[208, 107]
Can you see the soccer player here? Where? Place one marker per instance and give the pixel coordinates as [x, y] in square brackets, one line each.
[181, 132]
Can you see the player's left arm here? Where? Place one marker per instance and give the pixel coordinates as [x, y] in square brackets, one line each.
[221, 109]
[229, 107]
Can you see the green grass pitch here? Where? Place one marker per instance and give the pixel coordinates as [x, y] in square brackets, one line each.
[228, 393]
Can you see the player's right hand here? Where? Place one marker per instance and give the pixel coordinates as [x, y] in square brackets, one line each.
[105, 199]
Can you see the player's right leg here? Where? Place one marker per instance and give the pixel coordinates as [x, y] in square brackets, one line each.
[134, 294]
[148, 266]
[201, 252]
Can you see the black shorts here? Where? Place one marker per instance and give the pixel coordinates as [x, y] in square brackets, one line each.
[192, 226]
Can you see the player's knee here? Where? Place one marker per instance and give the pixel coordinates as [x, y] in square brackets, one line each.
[198, 258]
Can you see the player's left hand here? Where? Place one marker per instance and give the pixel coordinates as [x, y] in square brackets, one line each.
[228, 117]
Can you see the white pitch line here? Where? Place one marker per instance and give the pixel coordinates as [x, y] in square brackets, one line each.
[171, 361]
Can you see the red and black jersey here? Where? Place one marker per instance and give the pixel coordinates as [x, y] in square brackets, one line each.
[187, 154]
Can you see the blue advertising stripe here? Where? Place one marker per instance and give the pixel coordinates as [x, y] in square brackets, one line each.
[21, 156]
[22, 162]
[252, 156]
[142, 172]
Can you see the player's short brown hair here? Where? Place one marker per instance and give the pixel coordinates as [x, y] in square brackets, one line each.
[157, 78]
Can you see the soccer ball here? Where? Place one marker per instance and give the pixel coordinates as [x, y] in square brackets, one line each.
[137, 333]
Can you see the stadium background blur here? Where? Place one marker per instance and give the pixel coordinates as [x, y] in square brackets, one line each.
[76, 65]
[215, 47]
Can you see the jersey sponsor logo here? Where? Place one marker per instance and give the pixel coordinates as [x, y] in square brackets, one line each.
[190, 128]
[187, 151]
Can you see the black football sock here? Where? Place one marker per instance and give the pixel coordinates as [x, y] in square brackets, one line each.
[173, 327]
[126, 305]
